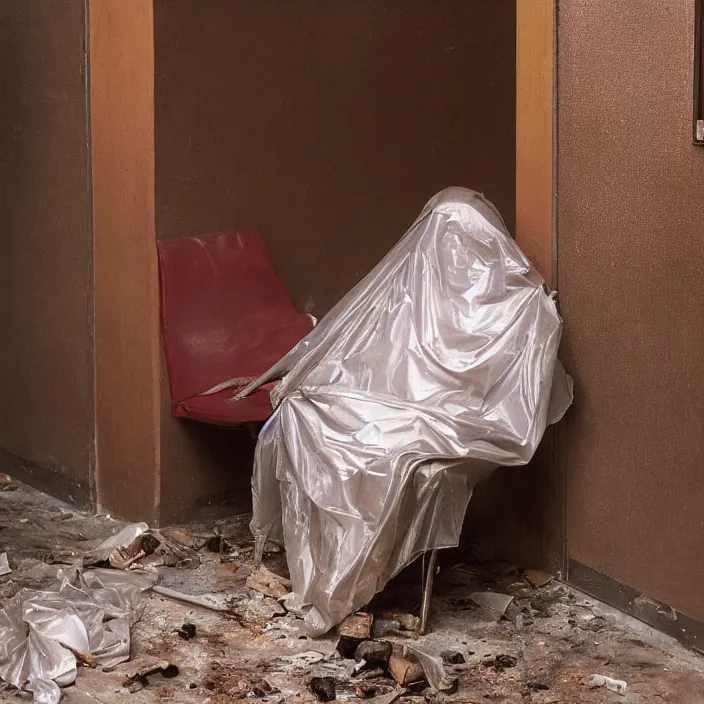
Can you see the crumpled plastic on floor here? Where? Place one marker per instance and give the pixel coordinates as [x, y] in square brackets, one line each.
[85, 617]
[439, 366]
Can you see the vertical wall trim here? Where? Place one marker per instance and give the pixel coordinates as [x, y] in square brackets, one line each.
[536, 212]
[534, 132]
[93, 452]
[126, 306]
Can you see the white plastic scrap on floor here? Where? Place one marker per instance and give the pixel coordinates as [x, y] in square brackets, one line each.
[439, 366]
[4, 565]
[86, 617]
[618, 686]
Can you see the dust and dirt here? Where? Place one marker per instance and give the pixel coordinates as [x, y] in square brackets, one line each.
[543, 649]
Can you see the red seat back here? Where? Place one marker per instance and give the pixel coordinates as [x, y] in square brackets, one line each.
[224, 312]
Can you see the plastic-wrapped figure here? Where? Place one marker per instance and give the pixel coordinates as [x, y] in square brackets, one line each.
[439, 366]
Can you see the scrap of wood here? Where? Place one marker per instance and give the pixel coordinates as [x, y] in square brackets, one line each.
[539, 578]
[405, 672]
[266, 582]
[357, 625]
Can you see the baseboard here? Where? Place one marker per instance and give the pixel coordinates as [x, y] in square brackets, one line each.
[660, 616]
[45, 479]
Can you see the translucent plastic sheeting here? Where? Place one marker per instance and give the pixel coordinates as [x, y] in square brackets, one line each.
[436, 368]
[88, 613]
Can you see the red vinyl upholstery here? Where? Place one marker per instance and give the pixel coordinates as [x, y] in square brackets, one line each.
[224, 314]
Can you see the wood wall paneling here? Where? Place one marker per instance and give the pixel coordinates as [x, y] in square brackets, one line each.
[125, 269]
[46, 401]
[631, 223]
[535, 21]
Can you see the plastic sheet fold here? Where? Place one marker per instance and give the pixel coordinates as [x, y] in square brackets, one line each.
[88, 613]
[436, 368]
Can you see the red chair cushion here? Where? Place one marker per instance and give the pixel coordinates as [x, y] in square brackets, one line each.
[219, 410]
[224, 314]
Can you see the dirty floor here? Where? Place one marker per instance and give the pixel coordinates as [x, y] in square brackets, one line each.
[544, 649]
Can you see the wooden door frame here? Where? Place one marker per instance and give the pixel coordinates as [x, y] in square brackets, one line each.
[126, 342]
[536, 220]
[535, 127]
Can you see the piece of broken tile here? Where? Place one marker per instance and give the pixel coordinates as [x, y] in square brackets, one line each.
[357, 625]
[374, 653]
[389, 698]
[434, 671]
[492, 601]
[385, 627]
[266, 582]
[184, 539]
[4, 565]
[60, 517]
[408, 622]
[142, 667]
[262, 609]
[539, 578]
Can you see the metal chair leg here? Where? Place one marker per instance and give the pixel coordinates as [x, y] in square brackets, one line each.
[428, 592]
[259, 545]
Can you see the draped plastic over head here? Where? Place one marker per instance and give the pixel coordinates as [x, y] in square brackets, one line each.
[437, 367]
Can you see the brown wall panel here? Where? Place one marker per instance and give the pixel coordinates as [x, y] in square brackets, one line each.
[631, 261]
[207, 468]
[46, 407]
[516, 513]
[329, 125]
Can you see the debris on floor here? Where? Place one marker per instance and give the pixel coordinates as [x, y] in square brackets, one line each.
[406, 672]
[136, 545]
[538, 578]
[207, 631]
[266, 582]
[4, 565]
[618, 686]
[323, 688]
[84, 619]
[452, 657]
[494, 603]
[187, 631]
[358, 625]
[136, 674]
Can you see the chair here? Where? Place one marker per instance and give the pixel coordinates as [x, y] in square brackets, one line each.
[225, 319]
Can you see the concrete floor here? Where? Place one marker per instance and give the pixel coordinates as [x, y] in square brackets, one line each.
[563, 639]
